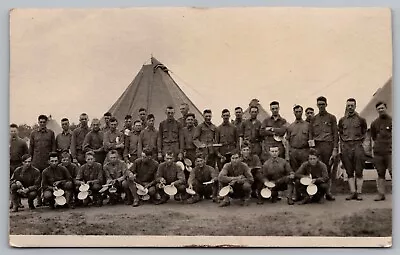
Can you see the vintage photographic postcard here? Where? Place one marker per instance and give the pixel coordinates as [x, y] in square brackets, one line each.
[196, 127]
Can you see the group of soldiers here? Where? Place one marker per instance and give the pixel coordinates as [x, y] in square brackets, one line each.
[243, 155]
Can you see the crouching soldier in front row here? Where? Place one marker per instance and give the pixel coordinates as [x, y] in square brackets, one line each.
[56, 177]
[66, 161]
[143, 172]
[203, 179]
[114, 172]
[278, 171]
[169, 173]
[91, 173]
[319, 175]
[25, 183]
[236, 174]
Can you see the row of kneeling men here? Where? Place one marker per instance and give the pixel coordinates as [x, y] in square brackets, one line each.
[67, 185]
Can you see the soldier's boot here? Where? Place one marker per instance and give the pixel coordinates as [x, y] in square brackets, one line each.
[194, 199]
[31, 205]
[352, 187]
[381, 189]
[328, 194]
[15, 202]
[359, 182]
[225, 202]
[290, 195]
[136, 201]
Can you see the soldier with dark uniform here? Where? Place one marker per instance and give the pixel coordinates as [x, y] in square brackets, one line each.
[251, 131]
[25, 183]
[63, 139]
[169, 134]
[114, 139]
[272, 130]
[94, 142]
[131, 150]
[18, 148]
[238, 175]
[107, 116]
[189, 149]
[148, 138]
[309, 114]
[323, 136]
[228, 136]
[352, 130]
[381, 134]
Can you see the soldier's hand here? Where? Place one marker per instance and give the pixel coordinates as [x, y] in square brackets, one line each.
[180, 156]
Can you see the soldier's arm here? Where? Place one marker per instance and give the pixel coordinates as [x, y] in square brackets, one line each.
[301, 171]
[281, 130]
[335, 132]
[36, 183]
[364, 127]
[73, 144]
[86, 143]
[247, 174]
[325, 175]
[106, 173]
[140, 144]
[53, 142]
[223, 175]
[196, 135]
[373, 131]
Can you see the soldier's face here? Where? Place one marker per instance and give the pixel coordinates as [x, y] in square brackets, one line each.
[96, 126]
[207, 117]
[107, 119]
[27, 162]
[142, 115]
[312, 159]
[169, 159]
[239, 113]
[350, 106]
[310, 114]
[199, 162]
[245, 152]
[235, 159]
[65, 125]
[226, 116]
[128, 122]
[253, 113]
[138, 126]
[274, 109]
[170, 113]
[184, 109]
[83, 119]
[274, 151]
[321, 106]
[189, 121]
[65, 161]
[113, 158]
[42, 123]
[113, 125]
[53, 161]
[89, 160]
[298, 113]
[14, 132]
[381, 109]
[150, 122]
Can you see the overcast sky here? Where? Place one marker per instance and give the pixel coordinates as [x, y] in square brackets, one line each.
[64, 62]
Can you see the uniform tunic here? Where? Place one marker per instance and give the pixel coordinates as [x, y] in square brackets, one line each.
[318, 171]
[229, 170]
[381, 134]
[251, 133]
[18, 148]
[297, 136]
[145, 170]
[51, 175]
[63, 141]
[169, 134]
[29, 177]
[94, 141]
[274, 169]
[204, 174]
[131, 146]
[115, 170]
[110, 141]
[170, 173]
[42, 142]
[227, 135]
[187, 141]
[91, 173]
[148, 140]
[78, 136]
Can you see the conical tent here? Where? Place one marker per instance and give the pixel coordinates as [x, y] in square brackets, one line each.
[382, 94]
[262, 113]
[53, 125]
[153, 89]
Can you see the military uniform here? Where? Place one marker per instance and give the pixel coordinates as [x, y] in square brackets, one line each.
[54, 174]
[279, 126]
[169, 135]
[200, 175]
[77, 139]
[206, 133]
[297, 136]
[24, 178]
[318, 172]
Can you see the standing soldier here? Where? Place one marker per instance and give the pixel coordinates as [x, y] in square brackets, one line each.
[238, 122]
[107, 116]
[114, 139]
[189, 149]
[132, 143]
[297, 136]
[272, 130]
[127, 125]
[184, 109]
[228, 136]
[25, 183]
[323, 136]
[63, 139]
[148, 138]
[251, 131]
[143, 117]
[78, 136]
[94, 142]
[352, 130]
[42, 142]
[169, 134]
[204, 137]
[381, 134]
[309, 114]
[18, 148]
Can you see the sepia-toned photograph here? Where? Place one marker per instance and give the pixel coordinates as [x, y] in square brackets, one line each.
[213, 127]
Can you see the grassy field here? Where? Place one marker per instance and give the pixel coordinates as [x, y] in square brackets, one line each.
[339, 218]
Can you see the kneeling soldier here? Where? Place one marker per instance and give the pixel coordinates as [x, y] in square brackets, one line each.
[25, 183]
[278, 171]
[199, 175]
[91, 173]
[168, 173]
[319, 175]
[56, 176]
[66, 161]
[236, 174]
[143, 172]
[114, 172]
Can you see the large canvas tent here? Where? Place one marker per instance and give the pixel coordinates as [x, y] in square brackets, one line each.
[153, 89]
[53, 125]
[382, 94]
[262, 113]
